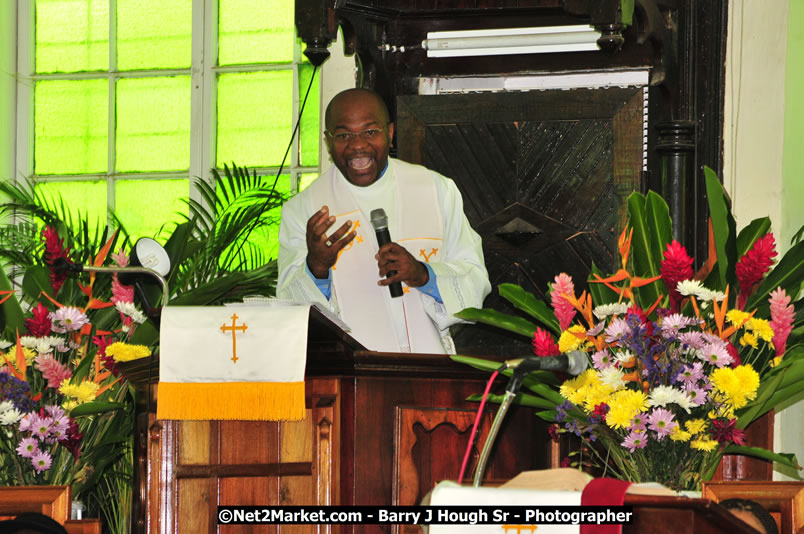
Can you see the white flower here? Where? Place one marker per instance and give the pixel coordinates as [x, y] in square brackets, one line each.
[5, 405]
[10, 417]
[709, 294]
[691, 288]
[612, 377]
[5, 344]
[624, 356]
[685, 402]
[663, 395]
[128, 309]
[604, 310]
[42, 345]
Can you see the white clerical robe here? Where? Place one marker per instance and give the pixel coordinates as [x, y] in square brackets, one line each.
[425, 215]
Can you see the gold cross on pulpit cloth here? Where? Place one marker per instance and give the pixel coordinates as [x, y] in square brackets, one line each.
[197, 376]
[233, 329]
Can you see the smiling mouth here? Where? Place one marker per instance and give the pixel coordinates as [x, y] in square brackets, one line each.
[360, 164]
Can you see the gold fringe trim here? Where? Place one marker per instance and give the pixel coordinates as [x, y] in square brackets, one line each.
[249, 401]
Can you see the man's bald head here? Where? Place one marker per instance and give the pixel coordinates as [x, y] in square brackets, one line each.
[357, 94]
[358, 135]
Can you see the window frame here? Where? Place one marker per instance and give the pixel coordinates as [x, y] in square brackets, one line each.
[203, 73]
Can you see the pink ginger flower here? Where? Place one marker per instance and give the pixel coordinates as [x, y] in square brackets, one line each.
[676, 267]
[782, 316]
[52, 370]
[121, 292]
[120, 258]
[544, 344]
[752, 267]
[564, 311]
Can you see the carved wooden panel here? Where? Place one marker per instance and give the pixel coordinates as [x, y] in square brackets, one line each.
[544, 177]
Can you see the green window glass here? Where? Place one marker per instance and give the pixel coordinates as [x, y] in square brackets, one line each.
[149, 208]
[71, 35]
[255, 31]
[154, 34]
[153, 124]
[71, 122]
[86, 198]
[255, 117]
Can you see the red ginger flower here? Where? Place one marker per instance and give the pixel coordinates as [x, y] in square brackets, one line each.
[564, 311]
[726, 432]
[752, 267]
[782, 316]
[543, 343]
[39, 325]
[676, 267]
[54, 250]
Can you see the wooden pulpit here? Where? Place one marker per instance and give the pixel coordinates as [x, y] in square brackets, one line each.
[380, 429]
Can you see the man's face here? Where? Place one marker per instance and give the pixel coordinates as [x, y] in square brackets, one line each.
[362, 157]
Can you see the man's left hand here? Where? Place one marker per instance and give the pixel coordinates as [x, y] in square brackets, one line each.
[393, 257]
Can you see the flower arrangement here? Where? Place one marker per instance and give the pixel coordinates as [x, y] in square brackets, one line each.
[680, 362]
[66, 413]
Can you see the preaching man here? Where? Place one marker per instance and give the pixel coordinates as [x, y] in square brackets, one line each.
[328, 249]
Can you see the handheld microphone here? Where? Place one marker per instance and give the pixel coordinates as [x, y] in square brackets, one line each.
[574, 363]
[380, 223]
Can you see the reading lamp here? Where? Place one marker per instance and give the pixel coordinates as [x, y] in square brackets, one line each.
[495, 42]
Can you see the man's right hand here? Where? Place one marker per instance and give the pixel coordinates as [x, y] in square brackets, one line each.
[322, 251]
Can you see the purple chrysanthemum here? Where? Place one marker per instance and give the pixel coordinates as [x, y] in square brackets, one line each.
[616, 330]
[661, 422]
[68, 319]
[28, 447]
[716, 354]
[601, 359]
[635, 440]
[41, 461]
[638, 423]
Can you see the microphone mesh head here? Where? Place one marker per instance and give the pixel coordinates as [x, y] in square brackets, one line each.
[378, 219]
[577, 362]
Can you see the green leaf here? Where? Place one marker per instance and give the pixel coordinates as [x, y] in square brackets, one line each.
[528, 303]
[522, 399]
[477, 363]
[96, 407]
[37, 281]
[512, 323]
[758, 452]
[788, 274]
[12, 318]
[650, 219]
[548, 415]
[724, 229]
[749, 235]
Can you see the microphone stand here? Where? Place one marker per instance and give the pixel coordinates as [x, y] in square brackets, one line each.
[510, 392]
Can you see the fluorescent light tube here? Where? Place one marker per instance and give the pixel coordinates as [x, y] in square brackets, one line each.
[511, 41]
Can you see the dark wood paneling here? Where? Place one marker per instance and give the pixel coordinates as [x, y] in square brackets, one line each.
[543, 161]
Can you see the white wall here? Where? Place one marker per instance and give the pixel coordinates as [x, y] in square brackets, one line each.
[8, 89]
[337, 73]
[754, 145]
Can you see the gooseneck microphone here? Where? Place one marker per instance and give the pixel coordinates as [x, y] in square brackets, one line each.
[574, 363]
[380, 223]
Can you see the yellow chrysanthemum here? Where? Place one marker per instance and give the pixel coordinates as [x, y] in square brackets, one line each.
[596, 393]
[123, 352]
[695, 426]
[624, 405]
[704, 444]
[577, 389]
[680, 435]
[12, 356]
[69, 405]
[749, 339]
[569, 341]
[735, 386]
[761, 327]
[737, 317]
[86, 391]
[776, 361]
